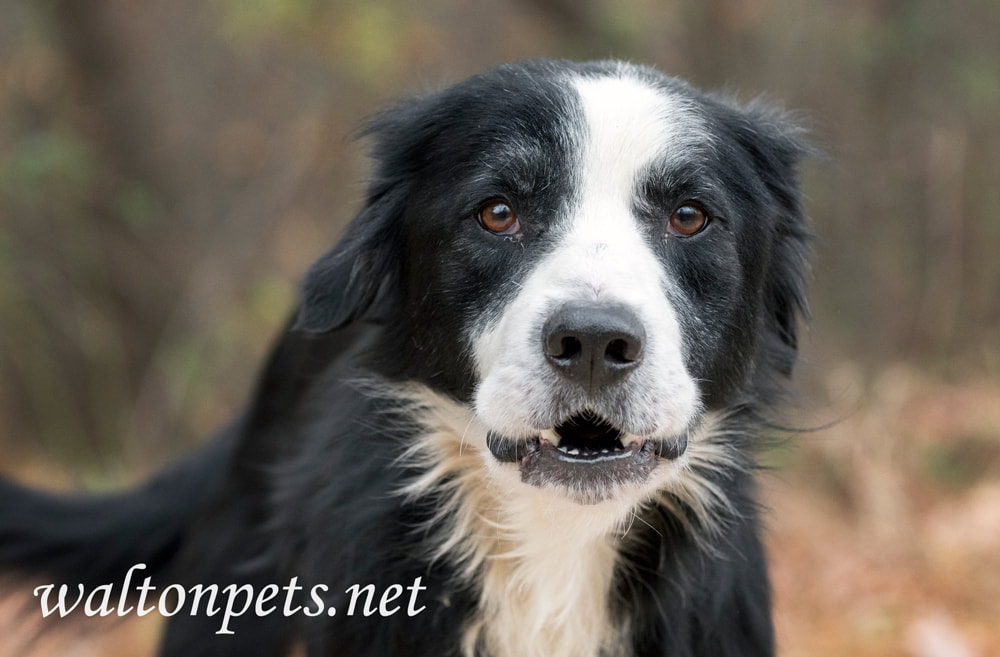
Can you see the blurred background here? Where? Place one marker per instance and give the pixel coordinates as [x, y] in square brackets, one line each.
[169, 169]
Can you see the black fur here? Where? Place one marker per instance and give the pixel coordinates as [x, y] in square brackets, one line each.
[300, 486]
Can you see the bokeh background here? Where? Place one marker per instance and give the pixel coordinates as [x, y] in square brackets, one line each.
[169, 168]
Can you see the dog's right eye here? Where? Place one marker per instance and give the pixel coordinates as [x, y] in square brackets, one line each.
[498, 217]
[688, 219]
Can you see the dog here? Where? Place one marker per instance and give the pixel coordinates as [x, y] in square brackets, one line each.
[517, 408]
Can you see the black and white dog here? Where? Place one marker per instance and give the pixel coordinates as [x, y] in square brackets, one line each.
[527, 384]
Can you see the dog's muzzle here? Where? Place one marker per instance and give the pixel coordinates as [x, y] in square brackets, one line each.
[593, 348]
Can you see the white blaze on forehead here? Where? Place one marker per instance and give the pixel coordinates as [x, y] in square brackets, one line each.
[629, 125]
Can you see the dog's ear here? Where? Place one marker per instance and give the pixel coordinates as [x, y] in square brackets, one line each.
[343, 283]
[776, 144]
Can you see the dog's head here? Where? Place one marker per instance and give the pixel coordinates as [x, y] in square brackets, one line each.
[589, 256]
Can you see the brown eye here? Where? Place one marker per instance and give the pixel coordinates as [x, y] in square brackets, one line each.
[687, 220]
[498, 217]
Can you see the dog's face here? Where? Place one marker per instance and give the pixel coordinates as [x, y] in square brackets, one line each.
[589, 257]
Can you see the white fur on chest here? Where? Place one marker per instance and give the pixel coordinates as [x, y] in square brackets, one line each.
[546, 589]
[543, 564]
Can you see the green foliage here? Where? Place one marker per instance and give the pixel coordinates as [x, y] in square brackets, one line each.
[959, 464]
[48, 161]
[139, 207]
[257, 19]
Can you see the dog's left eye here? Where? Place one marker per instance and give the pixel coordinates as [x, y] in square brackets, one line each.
[497, 216]
[687, 220]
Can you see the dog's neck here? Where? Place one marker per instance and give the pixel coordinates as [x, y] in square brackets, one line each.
[542, 564]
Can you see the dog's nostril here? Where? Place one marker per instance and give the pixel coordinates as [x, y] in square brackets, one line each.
[622, 351]
[570, 348]
[563, 346]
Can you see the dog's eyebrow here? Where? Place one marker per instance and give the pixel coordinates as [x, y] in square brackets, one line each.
[668, 174]
[518, 164]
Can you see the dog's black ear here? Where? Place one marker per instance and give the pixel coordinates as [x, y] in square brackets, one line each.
[344, 283]
[776, 143]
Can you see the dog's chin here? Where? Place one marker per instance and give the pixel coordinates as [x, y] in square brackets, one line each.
[585, 457]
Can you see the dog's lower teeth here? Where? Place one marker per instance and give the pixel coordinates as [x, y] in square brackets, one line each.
[588, 451]
[590, 440]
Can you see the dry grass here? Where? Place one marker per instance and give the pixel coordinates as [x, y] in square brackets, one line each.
[885, 529]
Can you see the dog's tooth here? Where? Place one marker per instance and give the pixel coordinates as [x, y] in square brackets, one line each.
[575, 451]
[630, 439]
[551, 436]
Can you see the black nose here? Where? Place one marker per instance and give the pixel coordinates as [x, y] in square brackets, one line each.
[592, 344]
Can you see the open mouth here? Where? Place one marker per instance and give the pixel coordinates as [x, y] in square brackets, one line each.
[587, 455]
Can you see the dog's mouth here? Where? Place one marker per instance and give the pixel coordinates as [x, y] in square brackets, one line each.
[586, 455]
